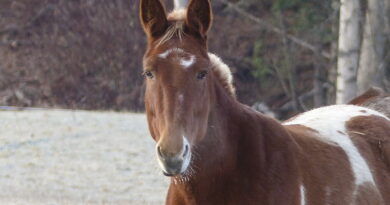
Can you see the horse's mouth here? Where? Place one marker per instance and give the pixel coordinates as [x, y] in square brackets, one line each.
[168, 174]
[175, 168]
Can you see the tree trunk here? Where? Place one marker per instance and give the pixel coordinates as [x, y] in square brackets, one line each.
[180, 4]
[371, 66]
[332, 70]
[348, 53]
[387, 19]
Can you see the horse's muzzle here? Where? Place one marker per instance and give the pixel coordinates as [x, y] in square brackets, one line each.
[173, 165]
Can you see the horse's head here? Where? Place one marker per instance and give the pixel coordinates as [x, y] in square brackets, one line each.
[178, 80]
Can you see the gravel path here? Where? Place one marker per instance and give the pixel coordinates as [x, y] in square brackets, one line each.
[77, 157]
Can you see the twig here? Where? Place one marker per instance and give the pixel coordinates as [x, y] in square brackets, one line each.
[289, 105]
[301, 98]
[290, 66]
[382, 66]
[279, 31]
[279, 76]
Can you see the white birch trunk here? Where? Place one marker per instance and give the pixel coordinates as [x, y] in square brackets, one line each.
[180, 4]
[348, 53]
[371, 66]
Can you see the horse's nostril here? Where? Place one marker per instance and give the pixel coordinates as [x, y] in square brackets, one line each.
[159, 151]
[185, 150]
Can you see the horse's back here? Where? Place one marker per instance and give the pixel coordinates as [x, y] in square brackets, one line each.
[374, 98]
[345, 154]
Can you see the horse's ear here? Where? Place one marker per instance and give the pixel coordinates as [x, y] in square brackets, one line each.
[199, 17]
[153, 18]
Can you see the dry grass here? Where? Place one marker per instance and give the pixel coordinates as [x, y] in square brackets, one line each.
[77, 157]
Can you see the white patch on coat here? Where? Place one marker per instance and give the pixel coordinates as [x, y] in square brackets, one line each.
[186, 63]
[302, 190]
[329, 122]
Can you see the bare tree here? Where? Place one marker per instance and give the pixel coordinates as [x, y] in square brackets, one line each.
[371, 67]
[348, 53]
[332, 70]
[387, 19]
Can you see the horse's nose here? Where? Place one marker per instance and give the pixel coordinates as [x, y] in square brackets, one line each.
[165, 155]
[171, 162]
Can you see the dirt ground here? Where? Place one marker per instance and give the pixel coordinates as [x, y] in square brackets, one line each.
[77, 157]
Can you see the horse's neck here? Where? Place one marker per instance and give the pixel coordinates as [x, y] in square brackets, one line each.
[242, 153]
[221, 153]
[219, 141]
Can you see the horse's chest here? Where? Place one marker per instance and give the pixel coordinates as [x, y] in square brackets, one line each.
[228, 193]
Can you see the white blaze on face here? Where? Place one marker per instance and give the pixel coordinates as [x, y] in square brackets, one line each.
[186, 59]
[170, 51]
[302, 191]
[330, 122]
[186, 63]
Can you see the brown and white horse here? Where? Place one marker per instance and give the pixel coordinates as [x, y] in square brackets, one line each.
[374, 98]
[218, 151]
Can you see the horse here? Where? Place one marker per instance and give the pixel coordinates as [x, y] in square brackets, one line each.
[374, 98]
[218, 151]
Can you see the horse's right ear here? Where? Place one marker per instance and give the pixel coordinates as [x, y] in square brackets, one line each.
[199, 17]
[153, 18]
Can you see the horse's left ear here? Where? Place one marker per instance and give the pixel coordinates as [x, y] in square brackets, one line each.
[153, 17]
[199, 17]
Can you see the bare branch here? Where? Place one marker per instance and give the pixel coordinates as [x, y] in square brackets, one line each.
[290, 66]
[279, 76]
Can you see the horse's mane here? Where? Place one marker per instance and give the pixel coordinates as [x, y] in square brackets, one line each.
[220, 69]
[223, 74]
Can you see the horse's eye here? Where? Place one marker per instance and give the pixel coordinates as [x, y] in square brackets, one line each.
[201, 75]
[148, 74]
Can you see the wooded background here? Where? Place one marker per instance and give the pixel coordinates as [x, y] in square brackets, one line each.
[288, 55]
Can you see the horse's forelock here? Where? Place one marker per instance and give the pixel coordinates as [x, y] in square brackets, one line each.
[177, 18]
[177, 15]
